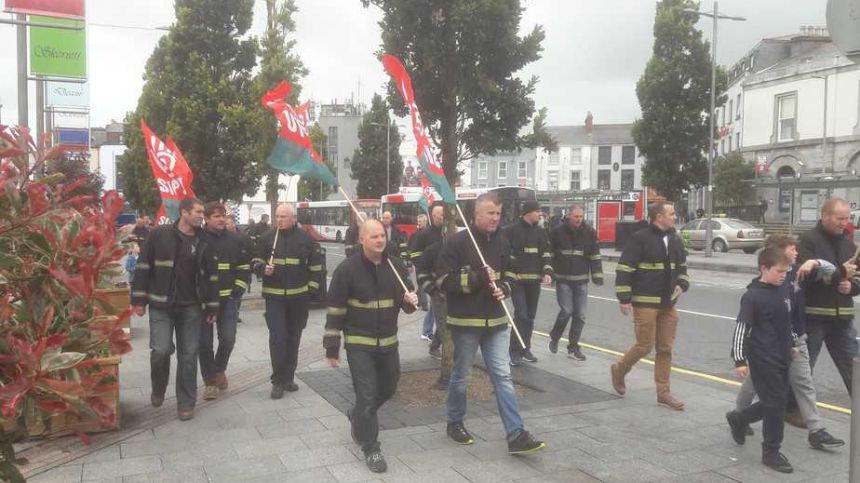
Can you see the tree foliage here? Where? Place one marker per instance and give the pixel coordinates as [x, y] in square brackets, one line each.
[730, 180]
[674, 94]
[197, 89]
[76, 167]
[369, 160]
[310, 189]
[463, 56]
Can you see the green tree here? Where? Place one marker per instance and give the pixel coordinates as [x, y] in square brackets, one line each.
[75, 166]
[731, 176]
[278, 63]
[540, 137]
[368, 161]
[674, 94]
[463, 57]
[197, 89]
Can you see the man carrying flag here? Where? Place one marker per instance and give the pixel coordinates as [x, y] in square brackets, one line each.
[172, 174]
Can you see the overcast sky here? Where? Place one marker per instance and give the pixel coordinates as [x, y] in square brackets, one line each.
[594, 51]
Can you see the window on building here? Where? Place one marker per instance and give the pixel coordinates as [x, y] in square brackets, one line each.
[603, 177]
[628, 155]
[331, 147]
[576, 156]
[503, 170]
[786, 119]
[482, 170]
[552, 181]
[553, 159]
[575, 181]
[738, 107]
[628, 177]
[604, 155]
[522, 172]
[729, 112]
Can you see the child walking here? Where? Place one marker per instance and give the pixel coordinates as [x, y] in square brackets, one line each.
[762, 348]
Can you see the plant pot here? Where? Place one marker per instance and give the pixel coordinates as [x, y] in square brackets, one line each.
[67, 423]
[115, 301]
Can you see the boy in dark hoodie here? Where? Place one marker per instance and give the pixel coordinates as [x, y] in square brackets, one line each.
[762, 348]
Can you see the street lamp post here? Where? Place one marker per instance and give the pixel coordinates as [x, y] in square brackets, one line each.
[824, 135]
[715, 15]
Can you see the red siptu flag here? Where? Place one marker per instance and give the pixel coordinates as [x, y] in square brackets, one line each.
[172, 174]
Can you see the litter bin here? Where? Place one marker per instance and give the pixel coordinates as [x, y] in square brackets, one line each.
[623, 231]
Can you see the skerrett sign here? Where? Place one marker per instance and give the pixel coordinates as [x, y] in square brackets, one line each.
[57, 52]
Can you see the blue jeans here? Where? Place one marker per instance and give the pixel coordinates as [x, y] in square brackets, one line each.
[211, 362]
[185, 321]
[429, 320]
[572, 302]
[494, 348]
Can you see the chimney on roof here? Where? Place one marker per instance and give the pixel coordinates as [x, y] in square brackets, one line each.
[589, 123]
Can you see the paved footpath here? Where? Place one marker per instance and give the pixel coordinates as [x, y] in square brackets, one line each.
[246, 437]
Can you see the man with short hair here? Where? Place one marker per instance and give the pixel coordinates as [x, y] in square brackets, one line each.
[291, 269]
[177, 277]
[575, 259]
[397, 244]
[424, 248]
[364, 300]
[249, 248]
[649, 278]
[234, 274]
[475, 293]
[531, 263]
[141, 229]
[829, 300]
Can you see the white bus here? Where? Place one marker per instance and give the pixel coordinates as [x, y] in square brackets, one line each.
[512, 199]
[329, 220]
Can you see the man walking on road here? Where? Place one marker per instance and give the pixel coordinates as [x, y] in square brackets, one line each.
[649, 278]
[291, 269]
[177, 277]
[234, 274]
[530, 264]
[476, 318]
[829, 301]
[576, 254]
[364, 300]
[397, 244]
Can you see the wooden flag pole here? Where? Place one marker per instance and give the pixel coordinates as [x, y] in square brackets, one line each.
[492, 282]
[361, 219]
[277, 230]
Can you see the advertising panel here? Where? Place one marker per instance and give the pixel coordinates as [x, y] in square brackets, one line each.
[55, 8]
[67, 94]
[57, 52]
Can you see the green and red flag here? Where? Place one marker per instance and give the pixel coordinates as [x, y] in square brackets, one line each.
[172, 174]
[427, 156]
[293, 152]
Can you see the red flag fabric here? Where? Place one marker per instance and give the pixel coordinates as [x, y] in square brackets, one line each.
[171, 171]
[426, 154]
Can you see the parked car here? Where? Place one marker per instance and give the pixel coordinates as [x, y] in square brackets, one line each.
[729, 234]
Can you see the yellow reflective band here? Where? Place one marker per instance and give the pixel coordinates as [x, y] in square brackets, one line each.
[223, 266]
[336, 310]
[141, 266]
[623, 288]
[526, 276]
[547, 255]
[510, 275]
[257, 260]
[225, 293]
[573, 278]
[243, 267]
[370, 341]
[213, 278]
[313, 284]
[164, 263]
[624, 268]
[464, 282]
[281, 291]
[371, 304]
[529, 250]
[572, 252]
[332, 332]
[415, 255]
[138, 293]
[315, 268]
[157, 298]
[594, 257]
[646, 299]
[286, 261]
[241, 283]
[655, 266]
[843, 311]
[597, 274]
[467, 322]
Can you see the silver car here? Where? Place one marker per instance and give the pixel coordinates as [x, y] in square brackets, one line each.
[729, 234]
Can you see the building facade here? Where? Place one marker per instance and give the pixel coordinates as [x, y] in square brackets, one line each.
[590, 157]
[503, 169]
[793, 108]
[340, 124]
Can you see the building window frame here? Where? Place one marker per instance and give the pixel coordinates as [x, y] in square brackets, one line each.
[522, 169]
[781, 123]
[628, 155]
[502, 170]
[482, 170]
[575, 180]
[631, 174]
[601, 173]
[604, 155]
